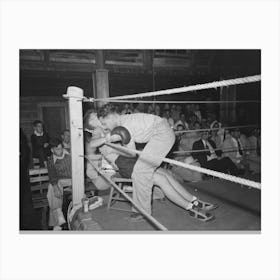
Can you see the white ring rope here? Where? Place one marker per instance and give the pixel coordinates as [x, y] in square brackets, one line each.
[216, 84]
[90, 99]
[221, 175]
[142, 211]
[222, 128]
[204, 150]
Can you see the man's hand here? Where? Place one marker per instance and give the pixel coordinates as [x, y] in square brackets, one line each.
[46, 145]
[57, 192]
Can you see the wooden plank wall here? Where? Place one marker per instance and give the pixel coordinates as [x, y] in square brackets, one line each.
[29, 111]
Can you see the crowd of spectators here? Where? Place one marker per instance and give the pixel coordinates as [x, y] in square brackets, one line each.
[191, 123]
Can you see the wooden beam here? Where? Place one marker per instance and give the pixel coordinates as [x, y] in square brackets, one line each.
[100, 61]
[75, 95]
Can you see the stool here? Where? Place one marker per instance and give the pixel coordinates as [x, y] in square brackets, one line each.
[126, 186]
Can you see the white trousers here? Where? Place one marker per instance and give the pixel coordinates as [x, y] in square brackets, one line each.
[142, 176]
[56, 217]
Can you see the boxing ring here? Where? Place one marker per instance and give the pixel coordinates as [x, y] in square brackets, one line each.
[76, 98]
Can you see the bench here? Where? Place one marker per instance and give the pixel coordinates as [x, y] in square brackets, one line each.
[39, 181]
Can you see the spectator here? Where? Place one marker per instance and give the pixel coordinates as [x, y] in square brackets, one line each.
[29, 220]
[150, 109]
[40, 143]
[192, 120]
[166, 107]
[187, 139]
[175, 115]
[139, 108]
[59, 170]
[157, 110]
[209, 158]
[204, 123]
[66, 141]
[217, 135]
[197, 112]
[253, 147]
[179, 109]
[233, 148]
[126, 109]
[182, 121]
[166, 115]
[188, 110]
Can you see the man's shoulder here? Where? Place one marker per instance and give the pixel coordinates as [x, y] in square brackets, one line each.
[197, 142]
[212, 142]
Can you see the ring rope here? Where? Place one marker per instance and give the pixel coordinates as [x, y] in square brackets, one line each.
[142, 211]
[90, 99]
[215, 84]
[221, 175]
[222, 128]
[203, 150]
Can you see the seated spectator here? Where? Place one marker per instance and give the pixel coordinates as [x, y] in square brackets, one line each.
[233, 148]
[157, 110]
[166, 107]
[187, 139]
[179, 126]
[179, 109]
[66, 143]
[192, 120]
[59, 170]
[150, 109]
[182, 121]
[252, 147]
[166, 115]
[204, 123]
[40, 143]
[217, 135]
[208, 158]
[197, 112]
[126, 109]
[139, 108]
[175, 115]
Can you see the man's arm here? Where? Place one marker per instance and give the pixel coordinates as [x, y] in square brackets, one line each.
[53, 178]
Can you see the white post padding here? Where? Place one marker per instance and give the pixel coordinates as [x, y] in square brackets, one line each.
[75, 96]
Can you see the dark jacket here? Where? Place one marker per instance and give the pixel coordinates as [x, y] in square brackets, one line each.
[202, 156]
[37, 143]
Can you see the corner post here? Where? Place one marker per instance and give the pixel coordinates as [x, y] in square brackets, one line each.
[75, 96]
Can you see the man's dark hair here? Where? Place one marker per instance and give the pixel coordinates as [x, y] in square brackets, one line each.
[179, 125]
[63, 131]
[37, 122]
[106, 110]
[54, 142]
[234, 127]
[87, 117]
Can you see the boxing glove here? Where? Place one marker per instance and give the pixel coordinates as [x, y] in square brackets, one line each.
[123, 133]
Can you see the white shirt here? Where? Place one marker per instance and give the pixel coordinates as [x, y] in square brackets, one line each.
[38, 134]
[141, 126]
[55, 157]
[235, 142]
[207, 145]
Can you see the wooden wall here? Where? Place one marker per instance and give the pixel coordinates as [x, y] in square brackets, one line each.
[29, 111]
